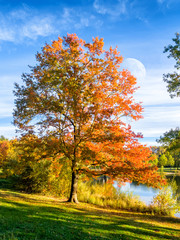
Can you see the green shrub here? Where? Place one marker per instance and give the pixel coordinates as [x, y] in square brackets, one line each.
[47, 176]
[164, 203]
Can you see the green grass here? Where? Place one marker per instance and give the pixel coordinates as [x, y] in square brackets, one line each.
[169, 170]
[28, 216]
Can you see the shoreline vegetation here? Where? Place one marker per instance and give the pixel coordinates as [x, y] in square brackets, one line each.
[106, 195]
[170, 171]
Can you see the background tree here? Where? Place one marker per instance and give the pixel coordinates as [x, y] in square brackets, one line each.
[3, 138]
[26, 165]
[171, 139]
[75, 100]
[170, 160]
[171, 143]
[158, 150]
[162, 160]
[4, 149]
[173, 79]
[7, 157]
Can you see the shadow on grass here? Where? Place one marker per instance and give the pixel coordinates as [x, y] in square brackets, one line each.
[6, 183]
[129, 214]
[34, 220]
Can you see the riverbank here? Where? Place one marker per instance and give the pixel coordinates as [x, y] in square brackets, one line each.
[28, 216]
[170, 171]
[172, 174]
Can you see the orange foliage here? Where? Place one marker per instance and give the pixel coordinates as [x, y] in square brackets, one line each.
[4, 148]
[76, 99]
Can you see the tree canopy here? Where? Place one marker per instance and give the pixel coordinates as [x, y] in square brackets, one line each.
[76, 100]
[173, 79]
[171, 143]
[162, 160]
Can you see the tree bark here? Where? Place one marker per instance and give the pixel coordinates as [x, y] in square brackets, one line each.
[74, 185]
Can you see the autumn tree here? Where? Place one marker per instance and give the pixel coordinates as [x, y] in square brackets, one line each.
[26, 165]
[76, 99]
[2, 138]
[4, 149]
[173, 79]
[31, 170]
[7, 156]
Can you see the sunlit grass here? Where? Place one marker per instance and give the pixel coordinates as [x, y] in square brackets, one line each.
[171, 170]
[26, 216]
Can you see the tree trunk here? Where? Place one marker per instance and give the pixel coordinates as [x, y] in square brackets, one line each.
[74, 185]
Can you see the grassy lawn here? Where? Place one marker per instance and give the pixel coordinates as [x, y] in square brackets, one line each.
[27, 216]
[171, 169]
[168, 170]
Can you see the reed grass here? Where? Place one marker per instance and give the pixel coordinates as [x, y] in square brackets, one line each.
[106, 195]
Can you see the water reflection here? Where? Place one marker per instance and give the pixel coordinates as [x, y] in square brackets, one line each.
[177, 181]
[145, 193]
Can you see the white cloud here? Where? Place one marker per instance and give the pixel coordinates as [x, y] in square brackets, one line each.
[149, 142]
[157, 120]
[130, 9]
[7, 81]
[21, 14]
[153, 90]
[25, 23]
[102, 7]
[161, 113]
[72, 19]
[8, 132]
[122, 9]
[166, 113]
[6, 95]
[167, 3]
[83, 22]
[6, 110]
[38, 27]
[7, 34]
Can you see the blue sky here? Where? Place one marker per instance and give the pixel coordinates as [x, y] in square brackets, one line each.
[140, 29]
